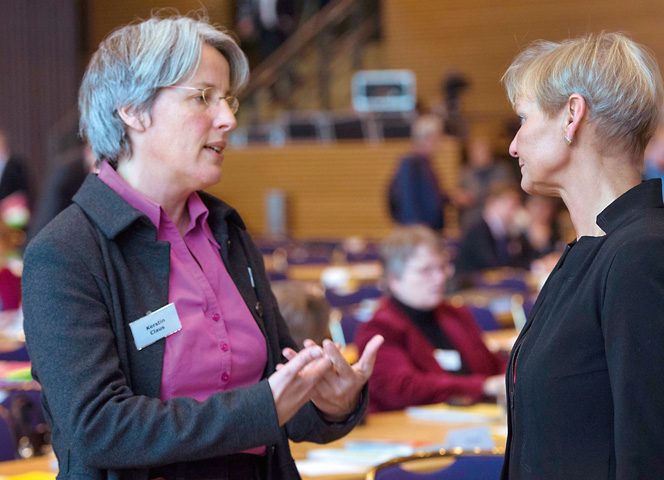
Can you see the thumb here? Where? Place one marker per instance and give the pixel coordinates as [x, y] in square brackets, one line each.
[366, 362]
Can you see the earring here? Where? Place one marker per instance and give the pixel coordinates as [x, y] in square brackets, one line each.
[568, 140]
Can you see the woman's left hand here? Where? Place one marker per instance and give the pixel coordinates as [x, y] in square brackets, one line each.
[338, 392]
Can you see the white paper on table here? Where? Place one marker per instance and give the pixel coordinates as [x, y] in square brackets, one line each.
[317, 468]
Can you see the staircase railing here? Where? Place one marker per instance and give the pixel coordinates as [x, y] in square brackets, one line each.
[363, 19]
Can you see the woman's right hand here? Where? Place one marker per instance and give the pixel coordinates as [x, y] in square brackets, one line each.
[292, 384]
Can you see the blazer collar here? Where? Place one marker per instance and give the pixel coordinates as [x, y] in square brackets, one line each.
[113, 215]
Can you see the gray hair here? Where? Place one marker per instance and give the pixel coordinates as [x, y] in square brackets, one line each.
[400, 246]
[618, 78]
[134, 62]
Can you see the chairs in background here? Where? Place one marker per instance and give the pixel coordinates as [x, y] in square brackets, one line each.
[17, 354]
[479, 465]
[339, 299]
[485, 318]
[350, 310]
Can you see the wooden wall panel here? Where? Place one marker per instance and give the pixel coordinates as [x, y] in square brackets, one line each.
[480, 38]
[331, 190]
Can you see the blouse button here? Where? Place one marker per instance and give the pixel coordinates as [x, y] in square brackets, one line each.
[224, 347]
[224, 377]
[216, 317]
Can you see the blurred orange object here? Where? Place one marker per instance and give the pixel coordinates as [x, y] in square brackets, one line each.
[350, 353]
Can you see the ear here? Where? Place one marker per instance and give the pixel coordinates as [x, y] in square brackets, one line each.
[392, 282]
[575, 110]
[135, 120]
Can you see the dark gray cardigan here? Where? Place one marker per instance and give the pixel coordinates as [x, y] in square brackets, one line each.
[93, 270]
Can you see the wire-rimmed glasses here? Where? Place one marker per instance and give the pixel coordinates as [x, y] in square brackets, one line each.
[212, 96]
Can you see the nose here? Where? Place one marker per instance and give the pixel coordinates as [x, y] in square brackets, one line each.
[224, 118]
[513, 151]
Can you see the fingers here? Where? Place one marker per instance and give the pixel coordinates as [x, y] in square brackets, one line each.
[292, 383]
[297, 361]
[366, 362]
[289, 353]
[338, 360]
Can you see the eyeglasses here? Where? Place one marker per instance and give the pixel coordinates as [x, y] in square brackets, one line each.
[211, 97]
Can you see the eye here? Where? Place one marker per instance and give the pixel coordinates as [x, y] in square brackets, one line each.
[521, 119]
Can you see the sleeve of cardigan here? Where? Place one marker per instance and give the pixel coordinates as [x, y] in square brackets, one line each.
[74, 356]
[397, 383]
[633, 328]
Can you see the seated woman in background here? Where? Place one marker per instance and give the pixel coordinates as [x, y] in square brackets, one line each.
[433, 351]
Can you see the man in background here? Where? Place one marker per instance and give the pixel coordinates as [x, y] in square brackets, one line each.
[12, 173]
[415, 195]
[63, 182]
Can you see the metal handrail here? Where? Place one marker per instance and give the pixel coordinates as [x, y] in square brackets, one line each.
[333, 13]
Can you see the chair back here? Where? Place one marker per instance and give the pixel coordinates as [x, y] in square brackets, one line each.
[483, 465]
[484, 317]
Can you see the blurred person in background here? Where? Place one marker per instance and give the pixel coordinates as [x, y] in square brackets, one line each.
[491, 241]
[540, 227]
[12, 170]
[481, 170]
[63, 182]
[584, 379]
[433, 351]
[415, 195]
[654, 164]
[148, 313]
[306, 312]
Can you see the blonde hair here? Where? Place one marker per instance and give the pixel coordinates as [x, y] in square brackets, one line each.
[618, 79]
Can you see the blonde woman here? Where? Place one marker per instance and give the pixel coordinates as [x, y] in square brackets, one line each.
[584, 379]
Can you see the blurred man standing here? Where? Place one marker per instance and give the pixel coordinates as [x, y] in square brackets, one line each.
[12, 174]
[415, 195]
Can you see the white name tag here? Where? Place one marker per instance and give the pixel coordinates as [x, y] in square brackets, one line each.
[449, 360]
[157, 325]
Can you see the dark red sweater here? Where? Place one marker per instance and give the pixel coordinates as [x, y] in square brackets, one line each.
[406, 372]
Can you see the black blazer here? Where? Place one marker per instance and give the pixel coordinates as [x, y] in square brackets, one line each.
[584, 380]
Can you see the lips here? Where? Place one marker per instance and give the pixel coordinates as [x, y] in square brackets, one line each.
[216, 147]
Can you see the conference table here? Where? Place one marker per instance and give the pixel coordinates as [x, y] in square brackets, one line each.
[389, 426]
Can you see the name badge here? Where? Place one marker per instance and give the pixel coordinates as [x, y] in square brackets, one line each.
[449, 360]
[155, 326]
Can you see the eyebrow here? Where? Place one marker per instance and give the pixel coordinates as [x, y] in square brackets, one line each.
[203, 85]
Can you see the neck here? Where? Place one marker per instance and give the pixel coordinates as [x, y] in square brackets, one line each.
[595, 184]
[161, 191]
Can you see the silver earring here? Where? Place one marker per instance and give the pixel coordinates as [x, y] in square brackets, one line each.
[568, 140]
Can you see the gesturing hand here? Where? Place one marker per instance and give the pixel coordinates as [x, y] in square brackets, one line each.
[292, 383]
[337, 391]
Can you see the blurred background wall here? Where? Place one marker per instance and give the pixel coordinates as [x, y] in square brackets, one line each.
[332, 190]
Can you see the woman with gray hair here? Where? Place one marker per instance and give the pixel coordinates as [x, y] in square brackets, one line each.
[148, 314]
[433, 350]
[584, 379]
